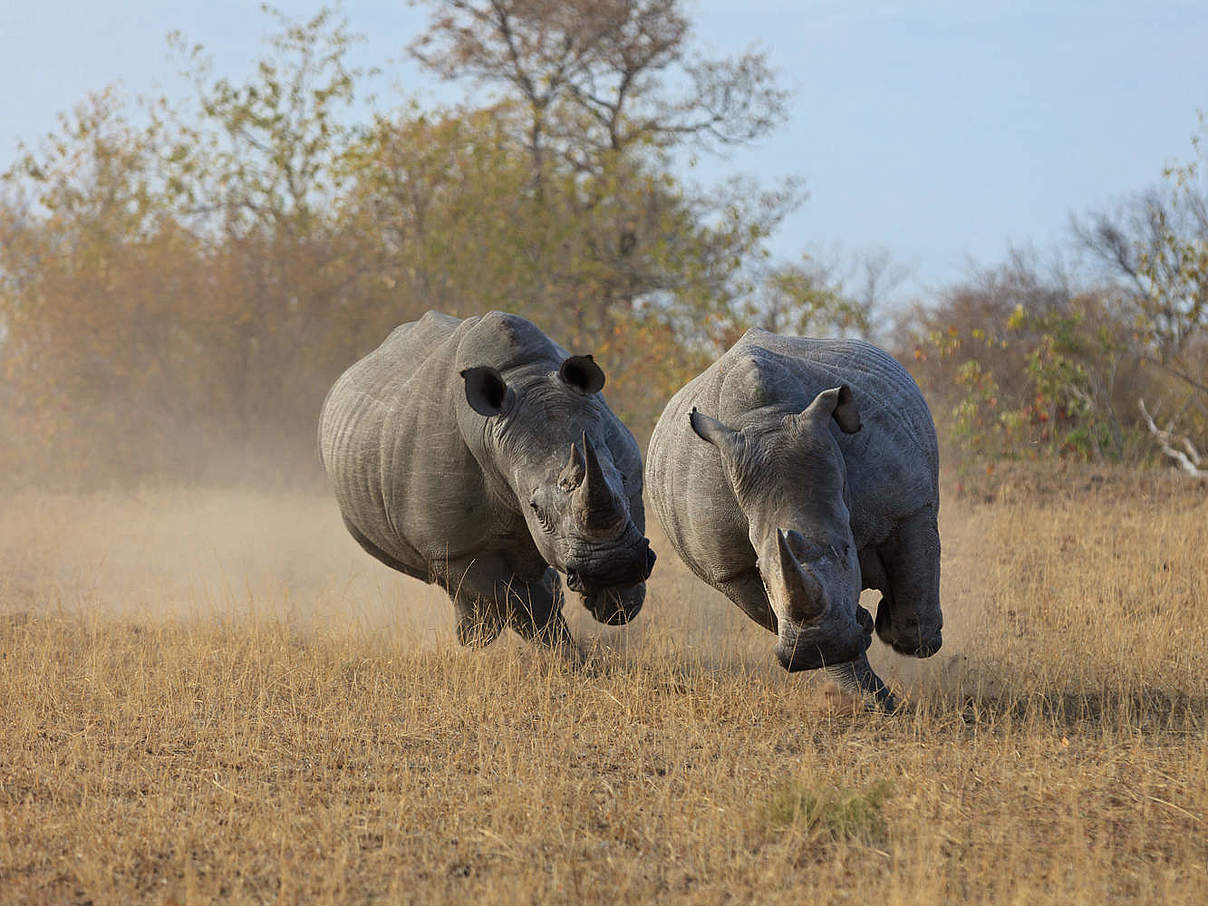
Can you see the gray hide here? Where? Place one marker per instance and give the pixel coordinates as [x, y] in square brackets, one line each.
[478, 455]
[791, 474]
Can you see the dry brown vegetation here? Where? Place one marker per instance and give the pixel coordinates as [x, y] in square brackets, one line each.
[216, 696]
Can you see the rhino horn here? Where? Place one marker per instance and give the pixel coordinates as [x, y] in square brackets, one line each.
[598, 506]
[572, 474]
[800, 583]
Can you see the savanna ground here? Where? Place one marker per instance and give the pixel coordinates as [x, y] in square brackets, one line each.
[216, 696]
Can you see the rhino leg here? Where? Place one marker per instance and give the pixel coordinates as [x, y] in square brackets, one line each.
[872, 575]
[872, 571]
[908, 617]
[487, 595]
[476, 587]
[857, 677]
[478, 623]
[534, 611]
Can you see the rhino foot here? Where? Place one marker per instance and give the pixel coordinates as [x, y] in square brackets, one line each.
[906, 636]
[857, 678]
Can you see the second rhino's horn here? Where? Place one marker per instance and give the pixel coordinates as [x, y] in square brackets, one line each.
[597, 505]
[799, 582]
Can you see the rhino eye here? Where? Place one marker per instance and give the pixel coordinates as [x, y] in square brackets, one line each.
[543, 518]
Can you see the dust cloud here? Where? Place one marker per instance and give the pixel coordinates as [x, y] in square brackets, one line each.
[201, 553]
[197, 553]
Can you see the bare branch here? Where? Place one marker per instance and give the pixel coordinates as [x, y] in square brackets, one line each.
[1182, 376]
[1188, 458]
[602, 76]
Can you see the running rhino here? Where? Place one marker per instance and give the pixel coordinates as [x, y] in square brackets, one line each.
[479, 455]
[795, 472]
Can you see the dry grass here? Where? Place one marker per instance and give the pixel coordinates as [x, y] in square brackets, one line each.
[218, 697]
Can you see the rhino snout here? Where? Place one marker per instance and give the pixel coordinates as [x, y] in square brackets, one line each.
[615, 569]
[616, 606]
[809, 651]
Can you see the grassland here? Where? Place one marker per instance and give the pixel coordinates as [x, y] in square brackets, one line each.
[214, 696]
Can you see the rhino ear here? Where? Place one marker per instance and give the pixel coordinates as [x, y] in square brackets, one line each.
[839, 404]
[710, 429]
[582, 373]
[486, 391]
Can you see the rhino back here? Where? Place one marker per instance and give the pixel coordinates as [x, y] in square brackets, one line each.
[892, 462]
[890, 402]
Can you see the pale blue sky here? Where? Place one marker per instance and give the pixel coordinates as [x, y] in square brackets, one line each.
[941, 130]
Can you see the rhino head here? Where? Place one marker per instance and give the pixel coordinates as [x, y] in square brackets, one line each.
[547, 433]
[790, 480]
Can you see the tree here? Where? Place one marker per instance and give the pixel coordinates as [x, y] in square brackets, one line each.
[827, 294]
[598, 96]
[595, 76]
[260, 169]
[91, 258]
[265, 153]
[1021, 362]
[1154, 248]
[447, 194]
[181, 283]
[174, 280]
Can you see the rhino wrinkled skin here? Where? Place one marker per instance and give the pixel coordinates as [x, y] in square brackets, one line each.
[793, 473]
[479, 455]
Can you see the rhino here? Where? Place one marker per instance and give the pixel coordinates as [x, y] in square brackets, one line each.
[795, 472]
[479, 455]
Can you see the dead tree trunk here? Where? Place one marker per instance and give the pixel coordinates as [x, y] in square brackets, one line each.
[1177, 447]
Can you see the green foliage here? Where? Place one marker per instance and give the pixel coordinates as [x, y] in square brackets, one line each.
[829, 813]
[1154, 249]
[1173, 265]
[978, 424]
[597, 96]
[265, 152]
[803, 299]
[1031, 371]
